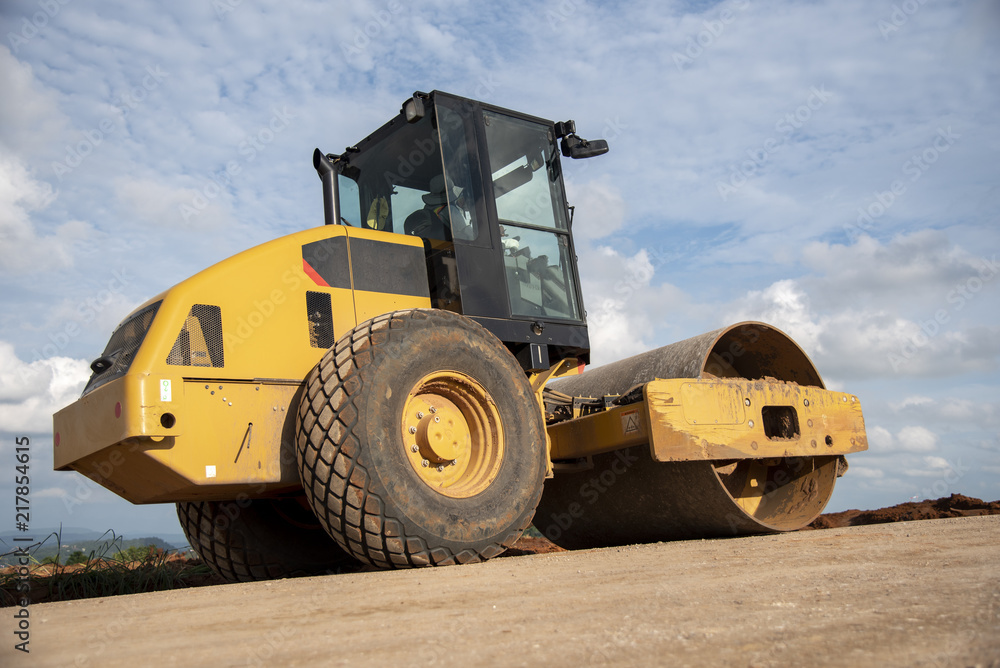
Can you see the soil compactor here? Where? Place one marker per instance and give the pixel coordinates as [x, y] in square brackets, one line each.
[403, 386]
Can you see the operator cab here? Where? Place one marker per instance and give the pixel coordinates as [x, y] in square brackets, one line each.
[482, 186]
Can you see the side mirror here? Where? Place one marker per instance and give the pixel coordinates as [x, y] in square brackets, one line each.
[577, 148]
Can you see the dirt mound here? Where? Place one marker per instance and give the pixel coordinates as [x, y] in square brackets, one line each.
[956, 505]
[532, 545]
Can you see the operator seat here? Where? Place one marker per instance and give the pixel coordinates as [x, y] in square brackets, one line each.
[431, 221]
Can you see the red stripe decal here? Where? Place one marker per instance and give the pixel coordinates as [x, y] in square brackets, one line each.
[311, 273]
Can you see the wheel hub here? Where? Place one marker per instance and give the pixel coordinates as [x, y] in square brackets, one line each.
[442, 433]
[452, 434]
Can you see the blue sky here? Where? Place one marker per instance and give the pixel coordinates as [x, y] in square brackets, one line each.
[828, 167]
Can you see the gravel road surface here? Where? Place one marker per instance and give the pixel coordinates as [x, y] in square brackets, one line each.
[906, 594]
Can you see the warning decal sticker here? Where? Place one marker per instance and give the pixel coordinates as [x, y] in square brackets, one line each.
[631, 422]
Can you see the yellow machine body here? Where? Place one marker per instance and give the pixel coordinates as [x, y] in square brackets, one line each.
[185, 422]
[688, 419]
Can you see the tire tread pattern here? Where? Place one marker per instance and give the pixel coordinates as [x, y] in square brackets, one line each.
[346, 506]
[220, 540]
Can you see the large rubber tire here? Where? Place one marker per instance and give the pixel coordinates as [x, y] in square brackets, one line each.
[264, 539]
[357, 462]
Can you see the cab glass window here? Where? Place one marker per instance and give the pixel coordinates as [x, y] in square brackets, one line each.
[525, 170]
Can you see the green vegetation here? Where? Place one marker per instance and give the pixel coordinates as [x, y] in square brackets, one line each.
[135, 553]
[532, 532]
[53, 550]
[76, 557]
[132, 569]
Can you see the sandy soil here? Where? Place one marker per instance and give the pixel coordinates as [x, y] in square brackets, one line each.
[187, 573]
[902, 594]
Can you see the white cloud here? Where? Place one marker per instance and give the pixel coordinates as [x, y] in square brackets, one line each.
[880, 439]
[50, 493]
[933, 467]
[22, 248]
[960, 413]
[151, 203]
[600, 209]
[617, 327]
[904, 271]
[30, 112]
[917, 402]
[31, 392]
[913, 438]
[874, 311]
[869, 473]
[916, 439]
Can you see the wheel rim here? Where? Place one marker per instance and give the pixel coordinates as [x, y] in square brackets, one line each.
[452, 434]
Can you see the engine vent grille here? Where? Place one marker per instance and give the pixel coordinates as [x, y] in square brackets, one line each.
[199, 342]
[121, 349]
[319, 312]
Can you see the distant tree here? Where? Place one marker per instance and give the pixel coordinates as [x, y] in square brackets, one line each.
[52, 559]
[76, 557]
[136, 553]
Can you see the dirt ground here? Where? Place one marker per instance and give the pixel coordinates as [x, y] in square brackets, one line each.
[901, 594]
[956, 505]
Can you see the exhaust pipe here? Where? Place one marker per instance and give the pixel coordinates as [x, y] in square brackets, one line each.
[326, 171]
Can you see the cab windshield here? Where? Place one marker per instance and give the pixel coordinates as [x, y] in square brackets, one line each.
[530, 205]
[401, 185]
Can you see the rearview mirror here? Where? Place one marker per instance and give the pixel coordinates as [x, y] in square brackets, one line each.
[577, 148]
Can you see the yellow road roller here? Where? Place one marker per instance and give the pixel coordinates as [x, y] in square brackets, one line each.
[403, 386]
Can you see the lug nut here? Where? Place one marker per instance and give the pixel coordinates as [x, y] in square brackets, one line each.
[440, 468]
[420, 415]
[432, 409]
[413, 430]
[424, 463]
[454, 461]
[437, 419]
[414, 448]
